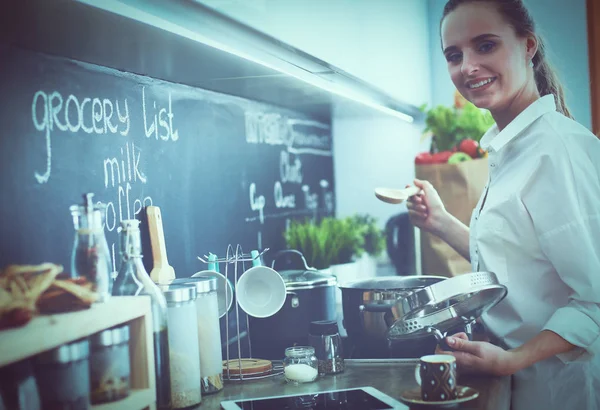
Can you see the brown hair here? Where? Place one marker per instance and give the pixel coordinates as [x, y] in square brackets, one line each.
[517, 15]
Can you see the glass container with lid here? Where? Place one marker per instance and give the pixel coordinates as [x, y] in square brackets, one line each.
[63, 377]
[209, 332]
[325, 338]
[110, 365]
[133, 280]
[91, 257]
[184, 355]
[300, 364]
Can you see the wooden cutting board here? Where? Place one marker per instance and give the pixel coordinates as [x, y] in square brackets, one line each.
[248, 366]
[161, 272]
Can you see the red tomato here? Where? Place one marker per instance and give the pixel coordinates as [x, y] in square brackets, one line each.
[469, 146]
[442, 157]
[423, 158]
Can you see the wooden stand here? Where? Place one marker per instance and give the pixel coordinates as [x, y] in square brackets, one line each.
[50, 331]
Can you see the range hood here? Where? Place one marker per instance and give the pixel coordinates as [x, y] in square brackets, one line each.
[186, 42]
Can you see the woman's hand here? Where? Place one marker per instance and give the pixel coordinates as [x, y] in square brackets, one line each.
[426, 210]
[481, 357]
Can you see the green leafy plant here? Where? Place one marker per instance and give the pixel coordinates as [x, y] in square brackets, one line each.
[328, 242]
[373, 236]
[450, 125]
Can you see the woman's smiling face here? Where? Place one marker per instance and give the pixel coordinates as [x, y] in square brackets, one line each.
[487, 61]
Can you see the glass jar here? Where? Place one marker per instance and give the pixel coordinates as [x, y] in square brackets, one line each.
[209, 332]
[109, 365]
[184, 356]
[133, 280]
[63, 377]
[300, 364]
[90, 257]
[325, 338]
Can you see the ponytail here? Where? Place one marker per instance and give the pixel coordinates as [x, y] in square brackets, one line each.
[546, 79]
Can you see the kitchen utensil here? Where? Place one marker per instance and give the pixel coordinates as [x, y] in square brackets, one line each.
[412, 397]
[311, 295]
[261, 291]
[423, 300]
[246, 367]
[224, 289]
[396, 196]
[367, 307]
[462, 310]
[161, 272]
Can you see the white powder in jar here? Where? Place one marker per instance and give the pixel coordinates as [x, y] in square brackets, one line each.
[300, 372]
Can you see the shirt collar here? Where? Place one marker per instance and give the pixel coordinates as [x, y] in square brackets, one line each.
[494, 140]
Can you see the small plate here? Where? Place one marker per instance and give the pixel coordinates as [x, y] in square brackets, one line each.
[413, 397]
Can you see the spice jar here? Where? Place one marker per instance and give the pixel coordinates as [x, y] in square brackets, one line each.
[325, 338]
[63, 377]
[184, 356]
[300, 364]
[209, 332]
[109, 365]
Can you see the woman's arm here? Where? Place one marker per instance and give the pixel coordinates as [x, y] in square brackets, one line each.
[484, 357]
[427, 212]
[456, 234]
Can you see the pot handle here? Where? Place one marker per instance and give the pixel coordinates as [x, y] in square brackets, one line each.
[375, 307]
[288, 251]
[295, 299]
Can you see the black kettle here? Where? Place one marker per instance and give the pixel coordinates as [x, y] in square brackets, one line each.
[400, 241]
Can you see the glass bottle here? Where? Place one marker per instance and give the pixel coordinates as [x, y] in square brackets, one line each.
[133, 280]
[300, 364]
[91, 257]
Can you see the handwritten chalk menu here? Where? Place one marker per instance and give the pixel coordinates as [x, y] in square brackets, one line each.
[224, 170]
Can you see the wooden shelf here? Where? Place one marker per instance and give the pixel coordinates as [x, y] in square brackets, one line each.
[50, 331]
[137, 399]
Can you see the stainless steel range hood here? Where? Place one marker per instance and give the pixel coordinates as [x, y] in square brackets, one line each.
[186, 42]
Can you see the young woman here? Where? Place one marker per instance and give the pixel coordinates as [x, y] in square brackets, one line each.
[537, 224]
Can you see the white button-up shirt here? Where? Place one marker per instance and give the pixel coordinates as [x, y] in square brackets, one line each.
[538, 229]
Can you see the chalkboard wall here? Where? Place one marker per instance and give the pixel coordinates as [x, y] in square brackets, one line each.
[224, 170]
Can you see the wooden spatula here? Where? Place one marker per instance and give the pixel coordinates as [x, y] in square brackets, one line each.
[161, 272]
[396, 196]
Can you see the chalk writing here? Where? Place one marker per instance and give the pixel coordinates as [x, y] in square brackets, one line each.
[290, 171]
[162, 119]
[257, 203]
[283, 201]
[49, 110]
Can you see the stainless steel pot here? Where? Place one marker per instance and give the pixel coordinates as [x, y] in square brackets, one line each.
[368, 310]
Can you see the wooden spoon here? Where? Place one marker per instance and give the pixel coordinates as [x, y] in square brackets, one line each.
[161, 272]
[396, 196]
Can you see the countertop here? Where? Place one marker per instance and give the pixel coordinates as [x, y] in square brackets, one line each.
[391, 376]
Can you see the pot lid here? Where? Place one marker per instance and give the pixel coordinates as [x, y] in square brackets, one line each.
[394, 282]
[306, 279]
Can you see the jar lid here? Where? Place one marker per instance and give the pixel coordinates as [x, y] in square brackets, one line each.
[323, 327]
[203, 284]
[110, 337]
[178, 293]
[299, 351]
[66, 353]
[306, 279]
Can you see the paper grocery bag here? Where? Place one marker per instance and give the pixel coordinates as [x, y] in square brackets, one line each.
[460, 186]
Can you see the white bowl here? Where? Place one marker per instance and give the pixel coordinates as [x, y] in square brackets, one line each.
[224, 290]
[261, 291]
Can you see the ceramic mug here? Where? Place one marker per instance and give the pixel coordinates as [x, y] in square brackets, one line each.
[436, 374]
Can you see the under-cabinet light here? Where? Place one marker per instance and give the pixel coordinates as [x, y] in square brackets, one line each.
[164, 15]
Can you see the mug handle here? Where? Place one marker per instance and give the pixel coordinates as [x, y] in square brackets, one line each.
[418, 373]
